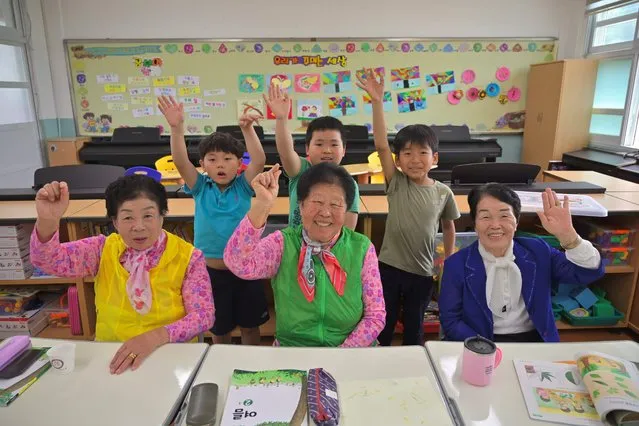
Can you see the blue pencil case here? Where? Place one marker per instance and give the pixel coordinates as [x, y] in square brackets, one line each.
[323, 401]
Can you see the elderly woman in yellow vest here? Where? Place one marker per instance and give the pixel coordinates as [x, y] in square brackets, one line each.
[151, 287]
[325, 277]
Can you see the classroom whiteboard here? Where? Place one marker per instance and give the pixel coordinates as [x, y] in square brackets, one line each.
[480, 83]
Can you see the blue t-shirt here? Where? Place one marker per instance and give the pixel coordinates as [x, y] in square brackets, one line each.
[217, 213]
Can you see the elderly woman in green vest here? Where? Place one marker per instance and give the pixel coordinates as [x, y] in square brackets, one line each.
[325, 277]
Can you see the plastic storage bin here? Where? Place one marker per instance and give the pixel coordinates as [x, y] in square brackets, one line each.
[15, 302]
[615, 256]
[592, 320]
[551, 240]
[604, 235]
[462, 240]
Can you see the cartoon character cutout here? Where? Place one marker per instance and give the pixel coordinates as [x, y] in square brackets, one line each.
[90, 124]
[105, 123]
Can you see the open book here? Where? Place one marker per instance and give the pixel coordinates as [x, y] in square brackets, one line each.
[272, 397]
[595, 388]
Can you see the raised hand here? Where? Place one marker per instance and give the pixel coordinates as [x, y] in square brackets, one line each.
[266, 185]
[556, 218]
[247, 120]
[371, 85]
[52, 201]
[278, 101]
[172, 111]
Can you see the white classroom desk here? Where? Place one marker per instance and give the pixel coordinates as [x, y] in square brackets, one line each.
[90, 395]
[353, 364]
[501, 402]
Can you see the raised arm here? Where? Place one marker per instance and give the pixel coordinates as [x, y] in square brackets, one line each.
[375, 90]
[374, 318]
[75, 259]
[280, 103]
[247, 255]
[174, 114]
[253, 145]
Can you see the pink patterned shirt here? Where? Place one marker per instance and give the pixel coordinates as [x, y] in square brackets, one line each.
[82, 258]
[251, 257]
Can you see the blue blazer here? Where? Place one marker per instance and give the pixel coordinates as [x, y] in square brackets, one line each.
[463, 309]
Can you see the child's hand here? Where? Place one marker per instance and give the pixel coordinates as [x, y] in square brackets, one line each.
[248, 119]
[52, 201]
[173, 111]
[266, 185]
[278, 101]
[374, 88]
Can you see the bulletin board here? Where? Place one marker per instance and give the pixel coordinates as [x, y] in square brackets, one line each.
[479, 83]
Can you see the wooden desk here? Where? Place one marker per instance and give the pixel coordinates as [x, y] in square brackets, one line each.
[502, 403]
[25, 211]
[612, 184]
[90, 395]
[631, 197]
[354, 368]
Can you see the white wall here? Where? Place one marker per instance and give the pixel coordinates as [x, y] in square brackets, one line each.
[135, 19]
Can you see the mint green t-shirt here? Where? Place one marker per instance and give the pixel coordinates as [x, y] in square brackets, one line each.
[294, 216]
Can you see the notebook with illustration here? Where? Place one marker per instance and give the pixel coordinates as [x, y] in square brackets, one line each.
[271, 397]
[593, 389]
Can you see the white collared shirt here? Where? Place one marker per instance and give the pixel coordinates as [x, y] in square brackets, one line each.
[517, 319]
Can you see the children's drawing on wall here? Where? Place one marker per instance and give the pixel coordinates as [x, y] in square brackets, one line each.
[308, 109]
[387, 101]
[440, 82]
[340, 106]
[105, 123]
[245, 106]
[511, 120]
[307, 83]
[405, 78]
[280, 80]
[251, 83]
[412, 100]
[90, 124]
[379, 72]
[337, 82]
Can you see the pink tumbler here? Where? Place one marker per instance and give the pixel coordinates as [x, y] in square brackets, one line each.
[481, 357]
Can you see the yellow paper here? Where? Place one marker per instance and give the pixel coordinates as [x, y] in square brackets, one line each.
[115, 88]
[141, 100]
[163, 81]
[118, 106]
[186, 91]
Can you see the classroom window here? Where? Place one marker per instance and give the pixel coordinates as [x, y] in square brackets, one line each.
[20, 141]
[613, 40]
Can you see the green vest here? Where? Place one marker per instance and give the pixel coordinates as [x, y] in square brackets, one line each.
[329, 318]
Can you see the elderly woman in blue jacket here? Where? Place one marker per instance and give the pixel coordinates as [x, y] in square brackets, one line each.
[499, 287]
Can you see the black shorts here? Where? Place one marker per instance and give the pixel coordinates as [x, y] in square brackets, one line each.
[237, 302]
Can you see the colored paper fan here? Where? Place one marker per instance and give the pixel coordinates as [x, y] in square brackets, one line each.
[514, 94]
[472, 94]
[502, 74]
[455, 97]
[492, 90]
[468, 76]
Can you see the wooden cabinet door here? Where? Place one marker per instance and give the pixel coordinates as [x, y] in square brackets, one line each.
[542, 108]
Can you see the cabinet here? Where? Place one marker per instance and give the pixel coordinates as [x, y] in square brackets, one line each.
[558, 109]
[64, 151]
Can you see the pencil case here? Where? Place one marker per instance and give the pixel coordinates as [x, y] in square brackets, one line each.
[12, 348]
[323, 401]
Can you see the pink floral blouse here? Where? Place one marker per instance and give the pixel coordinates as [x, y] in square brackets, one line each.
[251, 257]
[82, 258]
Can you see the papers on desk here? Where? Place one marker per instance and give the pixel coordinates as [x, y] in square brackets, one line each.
[266, 397]
[593, 389]
[409, 401]
[580, 205]
[10, 389]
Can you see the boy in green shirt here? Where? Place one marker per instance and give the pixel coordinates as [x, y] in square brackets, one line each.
[324, 143]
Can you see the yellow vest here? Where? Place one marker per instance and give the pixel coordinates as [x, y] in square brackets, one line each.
[117, 321]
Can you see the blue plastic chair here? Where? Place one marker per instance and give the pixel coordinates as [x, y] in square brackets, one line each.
[146, 171]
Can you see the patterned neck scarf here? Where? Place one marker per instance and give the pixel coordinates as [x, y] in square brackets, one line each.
[306, 273]
[138, 263]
